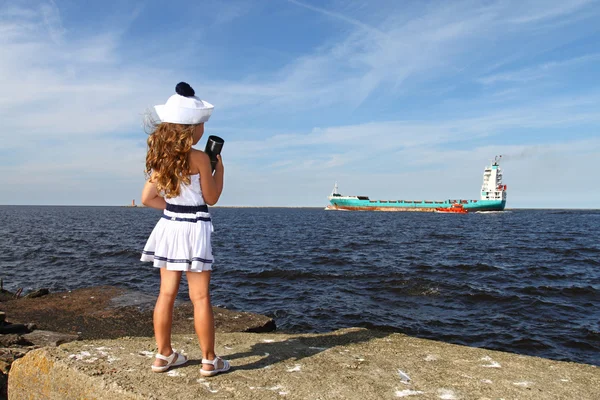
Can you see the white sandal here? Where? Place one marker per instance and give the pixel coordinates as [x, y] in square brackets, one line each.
[174, 360]
[216, 370]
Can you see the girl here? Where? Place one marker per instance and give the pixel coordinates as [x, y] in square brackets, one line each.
[181, 182]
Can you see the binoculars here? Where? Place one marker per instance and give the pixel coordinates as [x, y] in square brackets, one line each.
[214, 145]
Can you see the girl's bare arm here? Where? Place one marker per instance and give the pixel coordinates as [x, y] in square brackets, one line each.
[212, 185]
[151, 198]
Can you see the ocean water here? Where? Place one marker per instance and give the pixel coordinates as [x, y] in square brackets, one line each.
[524, 281]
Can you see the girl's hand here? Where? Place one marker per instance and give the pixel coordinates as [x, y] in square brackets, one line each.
[219, 166]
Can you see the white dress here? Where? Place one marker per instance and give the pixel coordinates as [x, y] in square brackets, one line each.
[181, 239]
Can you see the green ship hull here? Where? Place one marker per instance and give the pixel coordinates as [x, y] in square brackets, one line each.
[364, 204]
[493, 198]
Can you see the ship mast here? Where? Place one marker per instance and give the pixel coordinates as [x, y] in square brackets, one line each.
[335, 192]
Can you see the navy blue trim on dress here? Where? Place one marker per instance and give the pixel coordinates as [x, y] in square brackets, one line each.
[186, 219]
[187, 209]
[177, 260]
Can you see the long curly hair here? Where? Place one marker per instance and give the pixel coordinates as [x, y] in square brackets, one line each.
[167, 158]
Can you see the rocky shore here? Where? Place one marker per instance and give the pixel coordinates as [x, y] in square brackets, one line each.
[40, 319]
[97, 343]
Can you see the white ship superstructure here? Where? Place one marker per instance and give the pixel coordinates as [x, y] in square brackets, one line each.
[493, 188]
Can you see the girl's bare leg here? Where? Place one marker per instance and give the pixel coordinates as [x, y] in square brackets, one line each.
[204, 322]
[163, 312]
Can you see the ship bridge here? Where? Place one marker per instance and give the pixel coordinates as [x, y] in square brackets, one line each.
[493, 188]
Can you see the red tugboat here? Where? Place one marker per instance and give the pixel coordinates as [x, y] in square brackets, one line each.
[455, 208]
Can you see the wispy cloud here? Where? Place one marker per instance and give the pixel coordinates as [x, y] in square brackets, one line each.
[53, 21]
[393, 84]
[378, 59]
[541, 71]
[339, 16]
[535, 11]
[60, 87]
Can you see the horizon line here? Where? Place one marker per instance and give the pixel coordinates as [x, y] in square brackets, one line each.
[271, 206]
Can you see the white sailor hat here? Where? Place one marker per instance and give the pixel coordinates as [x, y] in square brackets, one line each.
[184, 107]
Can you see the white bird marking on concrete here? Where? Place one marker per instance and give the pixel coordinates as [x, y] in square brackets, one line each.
[446, 394]
[492, 363]
[81, 356]
[407, 392]
[403, 377]
[522, 384]
[207, 384]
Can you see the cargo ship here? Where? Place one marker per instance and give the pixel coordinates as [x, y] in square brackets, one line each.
[493, 198]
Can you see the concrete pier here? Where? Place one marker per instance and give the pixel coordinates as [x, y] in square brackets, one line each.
[346, 364]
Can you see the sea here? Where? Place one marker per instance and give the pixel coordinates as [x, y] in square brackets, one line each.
[522, 281]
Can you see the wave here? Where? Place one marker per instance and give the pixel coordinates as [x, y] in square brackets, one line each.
[479, 267]
[294, 275]
[325, 260]
[116, 253]
[570, 291]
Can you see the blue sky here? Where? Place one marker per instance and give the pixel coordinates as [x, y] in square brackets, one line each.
[391, 99]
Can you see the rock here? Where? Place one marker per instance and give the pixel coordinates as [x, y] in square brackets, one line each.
[2, 317]
[11, 354]
[110, 312]
[7, 357]
[4, 366]
[13, 340]
[346, 364]
[31, 327]
[3, 384]
[5, 295]
[236, 321]
[268, 326]
[13, 328]
[48, 338]
[37, 293]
